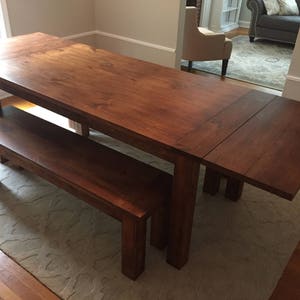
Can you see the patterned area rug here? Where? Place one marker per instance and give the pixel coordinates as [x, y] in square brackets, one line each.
[263, 62]
[238, 250]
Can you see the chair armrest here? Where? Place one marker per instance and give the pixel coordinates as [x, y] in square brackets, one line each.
[257, 8]
[208, 32]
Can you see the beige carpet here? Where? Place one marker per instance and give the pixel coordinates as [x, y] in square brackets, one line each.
[238, 250]
[263, 62]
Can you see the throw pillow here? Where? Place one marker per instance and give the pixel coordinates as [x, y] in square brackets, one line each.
[288, 8]
[272, 7]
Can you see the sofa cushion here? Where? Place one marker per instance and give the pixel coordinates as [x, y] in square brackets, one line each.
[282, 23]
[288, 8]
[272, 7]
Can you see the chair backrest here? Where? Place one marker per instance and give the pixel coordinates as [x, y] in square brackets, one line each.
[200, 43]
[190, 26]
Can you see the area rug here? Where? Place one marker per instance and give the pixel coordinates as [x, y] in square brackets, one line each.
[238, 249]
[263, 62]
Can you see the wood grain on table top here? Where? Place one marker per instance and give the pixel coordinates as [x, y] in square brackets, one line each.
[151, 101]
[266, 150]
[159, 109]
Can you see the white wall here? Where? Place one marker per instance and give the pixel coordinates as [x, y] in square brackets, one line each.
[292, 84]
[144, 29]
[57, 17]
[245, 15]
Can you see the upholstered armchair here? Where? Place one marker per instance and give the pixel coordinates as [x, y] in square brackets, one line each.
[201, 44]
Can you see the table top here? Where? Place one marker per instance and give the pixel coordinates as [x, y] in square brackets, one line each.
[266, 150]
[150, 102]
[161, 110]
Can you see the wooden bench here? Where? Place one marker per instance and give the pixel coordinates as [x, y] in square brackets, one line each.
[264, 152]
[120, 186]
[288, 286]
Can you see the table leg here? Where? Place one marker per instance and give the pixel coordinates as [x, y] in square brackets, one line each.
[182, 206]
[234, 189]
[212, 181]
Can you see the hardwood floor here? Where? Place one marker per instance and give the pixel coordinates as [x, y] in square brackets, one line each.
[288, 285]
[236, 32]
[17, 284]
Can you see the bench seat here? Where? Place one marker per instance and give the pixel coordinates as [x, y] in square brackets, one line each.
[120, 186]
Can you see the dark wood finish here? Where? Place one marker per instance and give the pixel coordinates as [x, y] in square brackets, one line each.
[17, 284]
[224, 66]
[234, 189]
[141, 109]
[212, 182]
[207, 135]
[191, 2]
[190, 65]
[175, 115]
[85, 130]
[185, 184]
[133, 246]
[265, 151]
[122, 187]
[159, 228]
[3, 160]
[288, 286]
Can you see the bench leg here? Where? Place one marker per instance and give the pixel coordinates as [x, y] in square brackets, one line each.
[80, 128]
[159, 228]
[85, 130]
[212, 181]
[3, 160]
[234, 189]
[133, 246]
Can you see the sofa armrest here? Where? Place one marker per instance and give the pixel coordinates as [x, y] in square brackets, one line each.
[257, 8]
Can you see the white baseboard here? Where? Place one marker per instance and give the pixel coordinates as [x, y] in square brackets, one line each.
[137, 48]
[80, 35]
[292, 88]
[293, 78]
[244, 24]
[128, 46]
[135, 41]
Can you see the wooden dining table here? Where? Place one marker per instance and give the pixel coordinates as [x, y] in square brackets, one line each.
[175, 115]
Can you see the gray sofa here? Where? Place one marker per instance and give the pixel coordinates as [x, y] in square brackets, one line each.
[277, 28]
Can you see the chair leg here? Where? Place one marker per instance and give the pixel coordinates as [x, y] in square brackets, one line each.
[224, 66]
[190, 65]
[133, 246]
